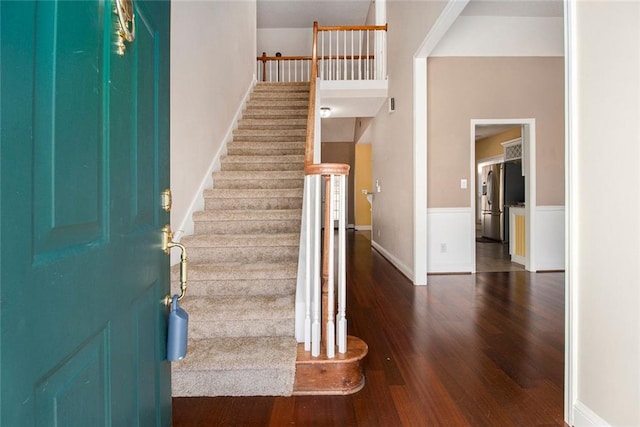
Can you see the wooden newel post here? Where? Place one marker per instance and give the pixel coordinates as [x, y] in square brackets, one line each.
[264, 66]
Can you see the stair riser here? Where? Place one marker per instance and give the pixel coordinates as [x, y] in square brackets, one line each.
[277, 114]
[199, 329]
[278, 104]
[254, 287]
[243, 254]
[269, 138]
[231, 383]
[275, 145]
[253, 184]
[247, 227]
[261, 166]
[281, 86]
[271, 127]
[253, 203]
[283, 97]
[239, 134]
[242, 151]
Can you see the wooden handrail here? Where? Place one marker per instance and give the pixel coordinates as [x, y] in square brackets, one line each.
[354, 28]
[311, 116]
[265, 58]
[308, 58]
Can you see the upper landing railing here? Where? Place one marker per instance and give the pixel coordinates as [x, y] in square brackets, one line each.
[343, 53]
[321, 321]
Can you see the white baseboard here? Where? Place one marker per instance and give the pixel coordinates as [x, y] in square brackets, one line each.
[197, 202]
[186, 226]
[363, 227]
[404, 269]
[583, 416]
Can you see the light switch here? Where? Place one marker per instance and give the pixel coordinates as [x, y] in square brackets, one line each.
[463, 183]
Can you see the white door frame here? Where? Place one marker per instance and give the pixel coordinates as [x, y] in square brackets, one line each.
[529, 165]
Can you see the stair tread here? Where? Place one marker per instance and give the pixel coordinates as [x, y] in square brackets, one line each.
[238, 270]
[253, 193]
[224, 353]
[261, 174]
[276, 158]
[247, 214]
[241, 240]
[261, 308]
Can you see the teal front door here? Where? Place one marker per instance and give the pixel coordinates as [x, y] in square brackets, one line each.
[84, 152]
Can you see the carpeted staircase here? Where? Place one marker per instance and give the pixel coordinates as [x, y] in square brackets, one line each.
[243, 256]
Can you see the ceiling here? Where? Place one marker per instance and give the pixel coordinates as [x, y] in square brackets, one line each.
[302, 13]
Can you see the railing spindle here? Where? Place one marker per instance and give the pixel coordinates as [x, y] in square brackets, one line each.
[342, 269]
[323, 321]
[328, 268]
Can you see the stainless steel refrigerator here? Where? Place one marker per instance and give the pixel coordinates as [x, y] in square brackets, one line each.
[492, 202]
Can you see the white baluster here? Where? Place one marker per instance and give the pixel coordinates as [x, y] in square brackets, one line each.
[344, 61]
[317, 272]
[308, 191]
[328, 224]
[322, 57]
[342, 270]
[367, 63]
[330, 59]
[352, 56]
[360, 56]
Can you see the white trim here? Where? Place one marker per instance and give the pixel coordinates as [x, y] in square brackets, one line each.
[490, 160]
[363, 228]
[186, 226]
[450, 13]
[583, 416]
[529, 164]
[419, 172]
[404, 269]
[571, 216]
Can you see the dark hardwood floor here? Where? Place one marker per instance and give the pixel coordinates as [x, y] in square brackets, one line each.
[466, 350]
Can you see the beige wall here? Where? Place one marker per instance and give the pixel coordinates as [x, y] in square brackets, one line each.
[392, 133]
[342, 152]
[464, 88]
[212, 61]
[605, 231]
[363, 181]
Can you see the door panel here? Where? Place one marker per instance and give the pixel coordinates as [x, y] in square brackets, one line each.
[84, 156]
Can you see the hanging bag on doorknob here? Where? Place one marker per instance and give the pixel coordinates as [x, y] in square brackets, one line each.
[177, 336]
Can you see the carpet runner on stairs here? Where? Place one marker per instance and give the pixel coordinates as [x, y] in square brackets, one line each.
[243, 256]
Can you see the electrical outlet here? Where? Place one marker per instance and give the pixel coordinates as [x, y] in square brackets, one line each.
[378, 232]
[463, 183]
[443, 247]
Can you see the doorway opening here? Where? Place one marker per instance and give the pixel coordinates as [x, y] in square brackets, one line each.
[503, 177]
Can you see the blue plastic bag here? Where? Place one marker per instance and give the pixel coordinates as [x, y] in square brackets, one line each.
[177, 336]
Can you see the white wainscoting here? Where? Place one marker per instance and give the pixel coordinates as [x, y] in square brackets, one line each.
[550, 238]
[450, 240]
